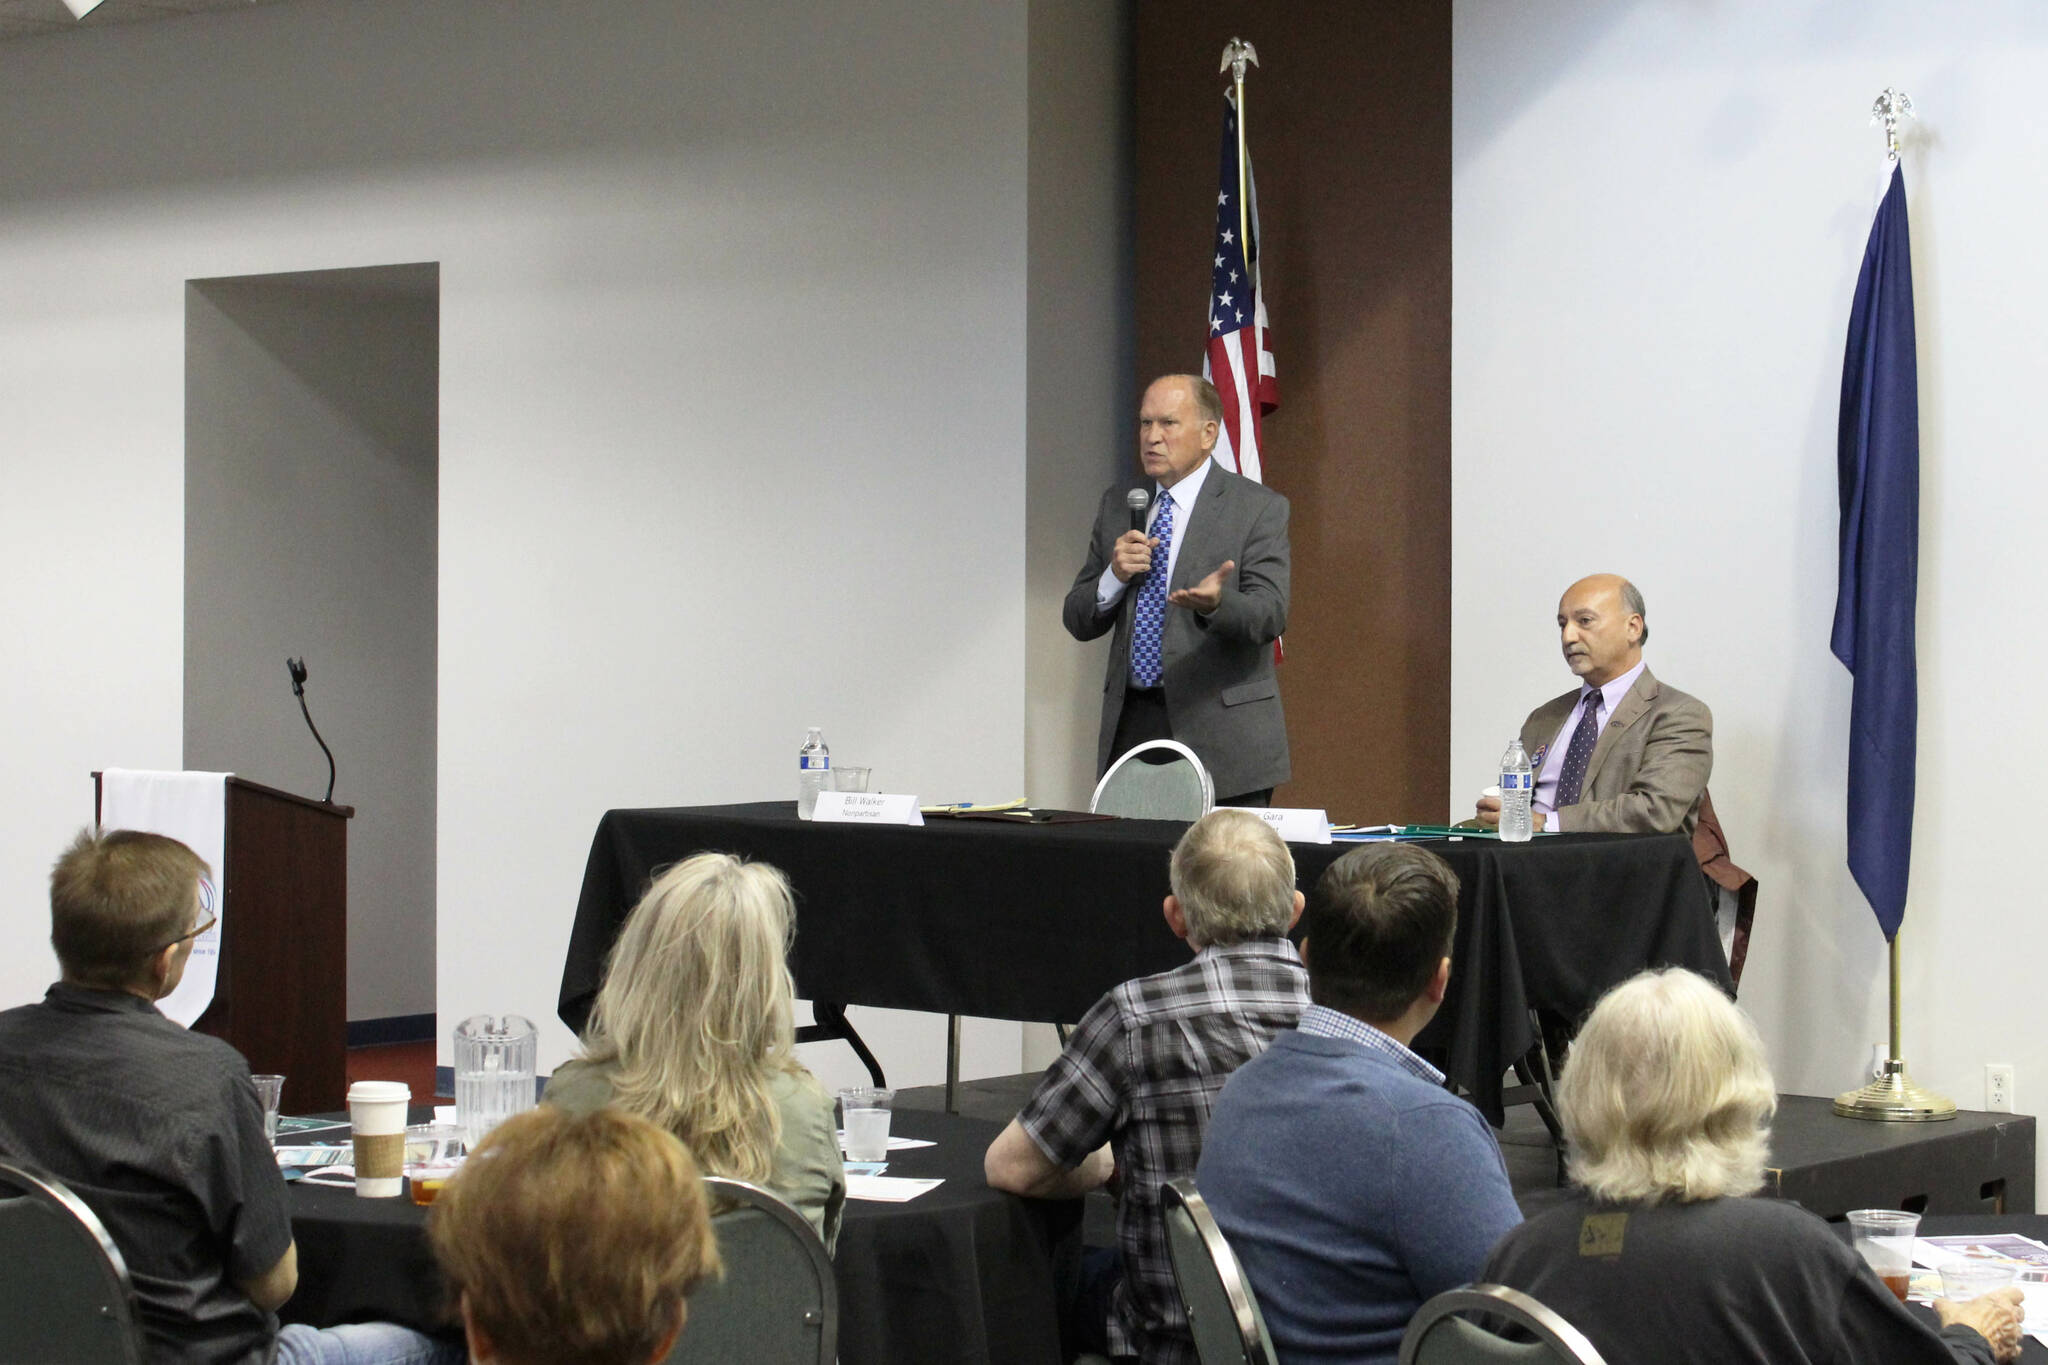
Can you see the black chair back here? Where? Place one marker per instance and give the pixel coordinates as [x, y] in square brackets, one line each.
[65, 1296]
[777, 1303]
[1223, 1315]
[1439, 1335]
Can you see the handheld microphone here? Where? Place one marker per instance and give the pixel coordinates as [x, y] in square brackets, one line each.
[297, 668]
[1139, 501]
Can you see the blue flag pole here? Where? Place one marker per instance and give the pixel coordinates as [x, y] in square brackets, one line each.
[1878, 467]
[1878, 454]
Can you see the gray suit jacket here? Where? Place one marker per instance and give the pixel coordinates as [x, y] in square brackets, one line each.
[1222, 698]
[1650, 766]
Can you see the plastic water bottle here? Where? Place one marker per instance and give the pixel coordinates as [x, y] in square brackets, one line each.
[1517, 790]
[813, 771]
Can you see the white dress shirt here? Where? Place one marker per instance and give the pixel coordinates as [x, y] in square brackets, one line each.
[1109, 589]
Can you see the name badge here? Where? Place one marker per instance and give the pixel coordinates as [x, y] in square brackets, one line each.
[866, 808]
[1294, 826]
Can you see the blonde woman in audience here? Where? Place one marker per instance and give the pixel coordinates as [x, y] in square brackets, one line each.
[692, 1030]
[574, 1239]
[1660, 1255]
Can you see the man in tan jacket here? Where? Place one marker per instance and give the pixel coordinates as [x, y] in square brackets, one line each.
[1621, 752]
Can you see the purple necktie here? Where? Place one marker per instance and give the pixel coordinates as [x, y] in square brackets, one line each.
[1148, 627]
[1573, 775]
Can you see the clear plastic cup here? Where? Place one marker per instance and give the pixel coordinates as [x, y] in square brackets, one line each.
[270, 1090]
[433, 1154]
[1966, 1279]
[1884, 1238]
[864, 1114]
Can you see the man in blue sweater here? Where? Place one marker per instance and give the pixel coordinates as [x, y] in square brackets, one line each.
[1351, 1184]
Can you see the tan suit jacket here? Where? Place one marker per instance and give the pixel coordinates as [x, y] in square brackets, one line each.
[1650, 766]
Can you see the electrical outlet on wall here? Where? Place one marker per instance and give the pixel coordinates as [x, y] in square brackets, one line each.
[1998, 1087]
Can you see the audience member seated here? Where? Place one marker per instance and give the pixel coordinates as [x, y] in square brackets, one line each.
[692, 1029]
[574, 1239]
[1350, 1182]
[158, 1129]
[1144, 1066]
[1658, 1256]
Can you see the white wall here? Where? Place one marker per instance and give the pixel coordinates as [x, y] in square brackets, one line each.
[310, 530]
[732, 406]
[1659, 210]
[1081, 424]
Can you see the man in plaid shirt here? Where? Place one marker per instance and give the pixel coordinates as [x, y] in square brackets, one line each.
[1130, 1095]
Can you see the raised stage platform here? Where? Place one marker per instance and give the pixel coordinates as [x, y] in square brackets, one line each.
[1974, 1163]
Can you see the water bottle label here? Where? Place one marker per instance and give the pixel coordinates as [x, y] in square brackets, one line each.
[1516, 781]
[806, 762]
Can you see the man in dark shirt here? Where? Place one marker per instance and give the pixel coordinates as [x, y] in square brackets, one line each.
[1143, 1067]
[159, 1129]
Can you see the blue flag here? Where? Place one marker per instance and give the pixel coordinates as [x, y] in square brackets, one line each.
[1878, 453]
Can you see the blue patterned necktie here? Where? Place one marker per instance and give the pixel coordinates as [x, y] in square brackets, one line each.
[1572, 777]
[1149, 626]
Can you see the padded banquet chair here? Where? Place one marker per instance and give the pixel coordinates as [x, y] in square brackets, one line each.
[1143, 787]
[1223, 1316]
[1439, 1336]
[777, 1303]
[64, 1291]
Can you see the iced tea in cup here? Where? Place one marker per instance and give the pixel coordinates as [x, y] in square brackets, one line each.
[376, 1113]
[1884, 1238]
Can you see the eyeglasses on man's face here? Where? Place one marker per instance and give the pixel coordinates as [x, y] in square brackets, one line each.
[208, 920]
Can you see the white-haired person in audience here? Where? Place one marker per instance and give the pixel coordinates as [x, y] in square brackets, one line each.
[1659, 1255]
[692, 1029]
[1132, 1091]
[574, 1240]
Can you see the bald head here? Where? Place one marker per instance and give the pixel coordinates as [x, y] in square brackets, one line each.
[1601, 627]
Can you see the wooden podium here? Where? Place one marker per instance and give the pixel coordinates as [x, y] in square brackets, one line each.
[281, 994]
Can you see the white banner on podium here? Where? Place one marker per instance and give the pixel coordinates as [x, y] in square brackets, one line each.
[193, 809]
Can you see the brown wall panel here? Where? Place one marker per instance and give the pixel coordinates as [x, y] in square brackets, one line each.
[1349, 120]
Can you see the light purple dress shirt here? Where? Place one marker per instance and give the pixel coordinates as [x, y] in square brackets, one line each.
[1611, 694]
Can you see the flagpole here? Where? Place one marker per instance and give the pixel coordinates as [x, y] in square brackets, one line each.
[1236, 54]
[1892, 1097]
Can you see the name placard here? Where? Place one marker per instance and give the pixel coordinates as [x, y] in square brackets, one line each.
[1294, 825]
[866, 808]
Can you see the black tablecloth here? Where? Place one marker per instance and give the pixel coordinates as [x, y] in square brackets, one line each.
[1014, 921]
[959, 1276]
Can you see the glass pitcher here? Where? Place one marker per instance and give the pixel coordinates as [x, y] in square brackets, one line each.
[494, 1061]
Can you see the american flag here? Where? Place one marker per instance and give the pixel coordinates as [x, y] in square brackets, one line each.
[1239, 361]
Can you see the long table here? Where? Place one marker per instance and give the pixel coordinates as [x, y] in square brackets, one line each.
[963, 1275]
[1013, 921]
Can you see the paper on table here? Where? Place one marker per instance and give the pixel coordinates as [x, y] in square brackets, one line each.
[896, 1144]
[444, 1113]
[2006, 1247]
[888, 1189]
[316, 1154]
[2000, 1246]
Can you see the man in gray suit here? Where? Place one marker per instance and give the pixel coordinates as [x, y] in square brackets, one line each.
[1621, 752]
[1195, 599]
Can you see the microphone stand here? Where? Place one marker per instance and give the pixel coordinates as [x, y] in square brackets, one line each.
[297, 668]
